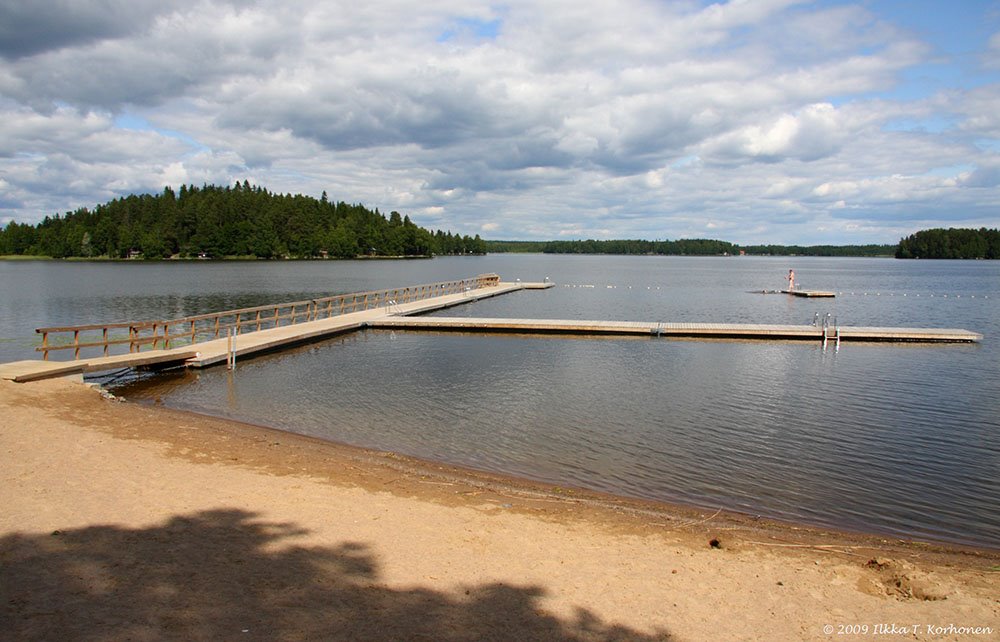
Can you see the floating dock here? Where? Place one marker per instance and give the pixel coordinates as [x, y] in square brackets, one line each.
[680, 330]
[806, 294]
[811, 294]
[204, 344]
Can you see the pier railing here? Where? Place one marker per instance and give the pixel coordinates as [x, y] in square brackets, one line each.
[192, 329]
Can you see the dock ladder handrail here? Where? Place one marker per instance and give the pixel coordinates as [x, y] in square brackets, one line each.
[831, 331]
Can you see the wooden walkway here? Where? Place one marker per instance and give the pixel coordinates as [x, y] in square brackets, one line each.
[216, 351]
[391, 314]
[688, 330]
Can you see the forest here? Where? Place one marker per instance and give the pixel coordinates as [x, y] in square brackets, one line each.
[696, 247]
[953, 243]
[236, 221]
[691, 247]
[819, 250]
[927, 244]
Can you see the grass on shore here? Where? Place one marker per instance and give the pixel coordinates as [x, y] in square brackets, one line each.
[23, 257]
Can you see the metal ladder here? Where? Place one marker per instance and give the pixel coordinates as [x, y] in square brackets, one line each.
[830, 332]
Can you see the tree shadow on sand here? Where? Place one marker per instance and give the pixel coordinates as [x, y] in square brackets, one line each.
[223, 575]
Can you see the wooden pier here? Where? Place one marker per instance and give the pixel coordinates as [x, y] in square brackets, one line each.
[206, 340]
[201, 341]
[681, 330]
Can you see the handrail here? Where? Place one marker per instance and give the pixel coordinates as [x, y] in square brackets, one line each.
[187, 330]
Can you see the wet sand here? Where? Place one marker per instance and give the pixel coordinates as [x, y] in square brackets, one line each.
[127, 521]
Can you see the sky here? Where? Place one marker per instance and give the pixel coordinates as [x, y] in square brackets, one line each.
[750, 121]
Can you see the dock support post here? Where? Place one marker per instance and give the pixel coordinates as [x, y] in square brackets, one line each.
[230, 349]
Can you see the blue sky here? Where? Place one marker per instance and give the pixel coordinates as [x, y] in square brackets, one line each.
[783, 121]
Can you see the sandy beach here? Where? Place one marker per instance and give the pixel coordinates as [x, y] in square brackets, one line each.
[122, 521]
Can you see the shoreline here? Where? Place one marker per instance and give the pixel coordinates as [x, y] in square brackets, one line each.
[146, 397]
[500, 482]
[134, 520]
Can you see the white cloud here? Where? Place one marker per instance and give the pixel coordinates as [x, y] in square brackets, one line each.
[530, 119]
[816, 131]
[991, 57]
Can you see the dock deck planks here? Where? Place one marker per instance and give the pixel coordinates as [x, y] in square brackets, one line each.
[696, 330]
[22, 371]
[811, 294]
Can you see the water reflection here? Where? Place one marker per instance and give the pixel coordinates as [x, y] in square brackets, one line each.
[786, 430]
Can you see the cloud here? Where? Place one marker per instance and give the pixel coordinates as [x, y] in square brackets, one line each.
[30, 28]
[144, 55]
[768, 120]
[815, 132]
[991, 57]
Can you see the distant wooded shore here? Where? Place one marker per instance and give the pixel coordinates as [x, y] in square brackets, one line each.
[245, 222]
[927, 244]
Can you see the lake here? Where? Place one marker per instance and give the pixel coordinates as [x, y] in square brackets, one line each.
[896, 439]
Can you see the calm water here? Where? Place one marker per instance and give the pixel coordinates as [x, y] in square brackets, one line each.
[901, 440]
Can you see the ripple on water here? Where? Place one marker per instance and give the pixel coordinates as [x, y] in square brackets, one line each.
[854, 439]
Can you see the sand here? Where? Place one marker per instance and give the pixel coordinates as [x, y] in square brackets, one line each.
[122, 521]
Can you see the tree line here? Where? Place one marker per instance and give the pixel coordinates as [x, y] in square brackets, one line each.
[819, 250]
[953, 243]
[233, 221]
[690, 247]
[693, 247]
[249, 221]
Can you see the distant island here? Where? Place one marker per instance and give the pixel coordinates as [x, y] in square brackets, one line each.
[928, 244]
[245, 221]
[241, 221]
[951, 244]
[685, 247]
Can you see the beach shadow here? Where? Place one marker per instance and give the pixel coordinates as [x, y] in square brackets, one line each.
[226, 575]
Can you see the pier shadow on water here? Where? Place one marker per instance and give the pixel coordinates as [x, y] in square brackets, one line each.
[225, 575]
